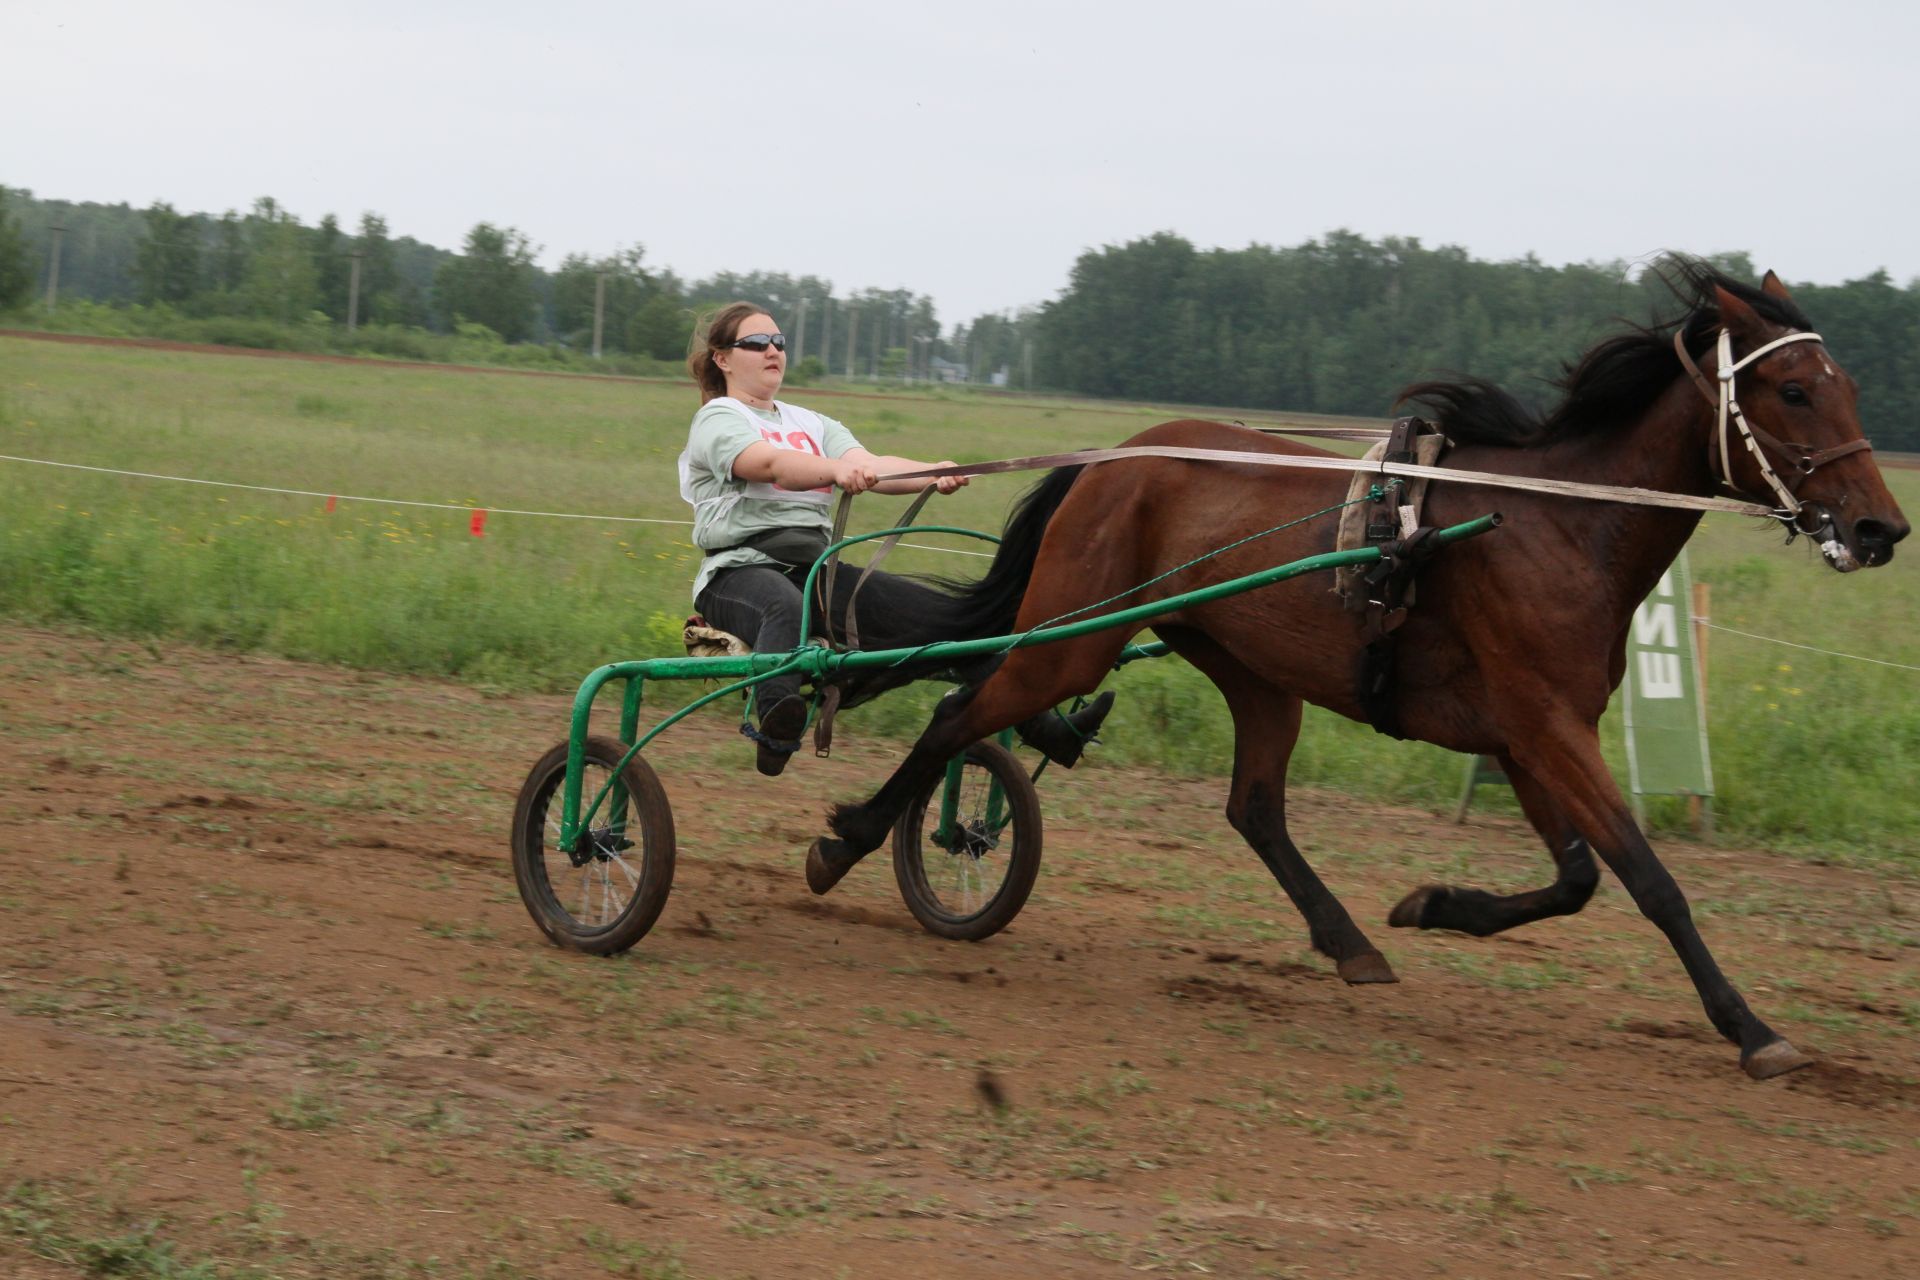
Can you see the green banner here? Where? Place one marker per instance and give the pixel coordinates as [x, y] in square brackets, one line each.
[1666, 713]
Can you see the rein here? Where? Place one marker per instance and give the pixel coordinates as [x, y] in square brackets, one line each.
[1492, 479]
[1727, 409]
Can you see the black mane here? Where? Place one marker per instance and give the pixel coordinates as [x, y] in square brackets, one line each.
[1613, 383]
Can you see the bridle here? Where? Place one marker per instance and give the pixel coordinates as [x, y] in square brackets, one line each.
[1727, 406]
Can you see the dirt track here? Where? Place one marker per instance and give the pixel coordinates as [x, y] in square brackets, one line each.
[264, 981]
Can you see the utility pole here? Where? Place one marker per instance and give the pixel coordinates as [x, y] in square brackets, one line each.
[1026, 362]
[853, 336]
[599, 309]
[353, 289]
[826, 333]
[800, 334]
[53, 266]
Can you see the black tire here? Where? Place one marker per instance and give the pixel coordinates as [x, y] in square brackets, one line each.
[976, 890]
[617, 903]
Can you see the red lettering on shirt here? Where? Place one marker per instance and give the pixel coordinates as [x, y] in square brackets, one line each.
[798, 442]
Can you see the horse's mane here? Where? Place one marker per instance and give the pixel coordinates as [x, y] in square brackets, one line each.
[1613, 383]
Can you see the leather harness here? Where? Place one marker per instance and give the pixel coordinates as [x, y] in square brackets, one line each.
[1383, 591]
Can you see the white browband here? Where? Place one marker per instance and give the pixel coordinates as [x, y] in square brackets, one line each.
[1728, 407]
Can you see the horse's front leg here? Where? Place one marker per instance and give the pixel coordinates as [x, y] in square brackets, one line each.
[1475, 911]
[1569, 764]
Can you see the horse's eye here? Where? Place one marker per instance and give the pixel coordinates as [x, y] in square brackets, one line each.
[1792, 393]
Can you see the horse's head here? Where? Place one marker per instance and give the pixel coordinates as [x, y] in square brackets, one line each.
[1789, 430]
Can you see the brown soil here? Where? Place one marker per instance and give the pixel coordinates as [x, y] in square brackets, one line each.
[268, 999]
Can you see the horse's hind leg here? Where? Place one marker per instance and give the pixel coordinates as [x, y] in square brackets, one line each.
[1028, 683]
[1266, 726]
[1475, 911]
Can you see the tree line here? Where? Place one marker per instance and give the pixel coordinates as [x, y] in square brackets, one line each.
[1333, 325]
[265, 265]
[1338, 324]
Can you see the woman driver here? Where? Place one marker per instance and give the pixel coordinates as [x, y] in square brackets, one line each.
[760, 473]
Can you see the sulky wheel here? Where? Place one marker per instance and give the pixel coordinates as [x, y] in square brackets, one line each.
[969, 880]
[603, 897]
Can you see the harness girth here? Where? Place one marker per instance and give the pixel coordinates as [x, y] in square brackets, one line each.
[1383, 593]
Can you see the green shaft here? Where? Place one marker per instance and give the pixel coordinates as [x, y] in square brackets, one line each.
[815, 662]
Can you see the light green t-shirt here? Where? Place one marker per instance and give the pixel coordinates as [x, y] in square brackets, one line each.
[727, 510]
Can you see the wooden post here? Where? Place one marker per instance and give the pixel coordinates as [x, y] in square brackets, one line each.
[53, 266]
[1700, 808]
[599, 309]
[353, 290]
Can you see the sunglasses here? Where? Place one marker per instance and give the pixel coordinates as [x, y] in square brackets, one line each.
[758, 342]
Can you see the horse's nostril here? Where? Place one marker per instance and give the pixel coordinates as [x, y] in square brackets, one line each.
[1872, 534]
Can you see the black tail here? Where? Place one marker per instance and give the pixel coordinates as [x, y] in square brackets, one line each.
[988, 607]
[956, 610]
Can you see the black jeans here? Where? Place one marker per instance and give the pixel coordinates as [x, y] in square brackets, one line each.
[761, 605]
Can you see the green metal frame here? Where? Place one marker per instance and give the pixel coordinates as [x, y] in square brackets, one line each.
[947, 833]
[819, 663]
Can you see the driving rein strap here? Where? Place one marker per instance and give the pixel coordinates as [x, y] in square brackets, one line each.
[1494, 480]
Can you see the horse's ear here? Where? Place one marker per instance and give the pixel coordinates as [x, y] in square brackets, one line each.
[1772, 286]
[1739, 318]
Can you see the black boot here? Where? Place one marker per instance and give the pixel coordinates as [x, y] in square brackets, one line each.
[779, 735]
[1061, 738]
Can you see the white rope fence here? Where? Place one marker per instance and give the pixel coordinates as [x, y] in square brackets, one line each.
[1831, 653]
[402, 502]
[576, 515]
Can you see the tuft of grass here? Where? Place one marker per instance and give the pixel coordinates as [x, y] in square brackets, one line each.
[304, 1112]
[38, 1219]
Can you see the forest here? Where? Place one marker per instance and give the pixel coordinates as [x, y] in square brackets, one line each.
[1333, 325]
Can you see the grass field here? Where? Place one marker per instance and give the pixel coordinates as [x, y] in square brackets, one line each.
[1812, 753]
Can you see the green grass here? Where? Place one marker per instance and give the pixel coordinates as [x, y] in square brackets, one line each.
[1811, 753]
[36, 1218]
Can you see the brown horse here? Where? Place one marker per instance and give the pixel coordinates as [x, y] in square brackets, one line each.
[1516, 642]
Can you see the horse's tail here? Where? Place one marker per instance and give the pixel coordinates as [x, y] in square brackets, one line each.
[988, 606]
[955, 610]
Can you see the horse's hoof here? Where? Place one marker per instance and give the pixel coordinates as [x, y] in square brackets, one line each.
[1370, 967]
[1775, 1058]
[1411, 910]
[827, 861]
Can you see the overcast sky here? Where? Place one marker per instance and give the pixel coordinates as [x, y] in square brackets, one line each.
[973, 151]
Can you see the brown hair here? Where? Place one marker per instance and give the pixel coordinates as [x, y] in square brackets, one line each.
[719, 329]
